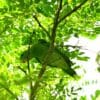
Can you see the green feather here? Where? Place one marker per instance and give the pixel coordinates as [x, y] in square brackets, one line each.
[57, 58]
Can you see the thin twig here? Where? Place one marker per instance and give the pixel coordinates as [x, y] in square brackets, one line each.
[73, 46]
[37, 20]
[22, 70]
[73, 10]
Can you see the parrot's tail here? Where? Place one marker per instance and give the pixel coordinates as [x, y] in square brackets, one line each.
[70, 72]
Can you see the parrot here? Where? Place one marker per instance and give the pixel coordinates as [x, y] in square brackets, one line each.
[57, 59]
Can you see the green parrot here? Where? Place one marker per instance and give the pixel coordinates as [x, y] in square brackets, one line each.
[57, 59]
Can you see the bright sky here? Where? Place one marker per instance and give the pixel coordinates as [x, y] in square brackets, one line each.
[91, 48]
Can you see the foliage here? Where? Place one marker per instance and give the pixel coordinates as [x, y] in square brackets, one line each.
[22, 22]
[96, 96]
[98, 61]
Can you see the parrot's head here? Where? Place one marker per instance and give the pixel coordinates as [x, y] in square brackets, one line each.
[24, 56]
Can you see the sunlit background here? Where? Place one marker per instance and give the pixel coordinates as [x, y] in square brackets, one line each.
[90, 81]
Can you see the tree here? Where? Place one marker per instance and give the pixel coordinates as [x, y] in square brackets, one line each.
[23, 22]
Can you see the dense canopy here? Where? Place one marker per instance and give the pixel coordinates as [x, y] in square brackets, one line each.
[22, 23]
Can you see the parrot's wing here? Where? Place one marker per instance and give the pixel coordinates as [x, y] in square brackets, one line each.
[59, 60]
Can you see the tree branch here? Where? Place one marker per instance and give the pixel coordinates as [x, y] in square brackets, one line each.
[53, 35]
[9, 91]
[73, 10]
[46, 58]
[28, 63]
[37, 20]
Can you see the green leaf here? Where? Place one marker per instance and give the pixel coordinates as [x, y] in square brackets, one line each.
[83, 58]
